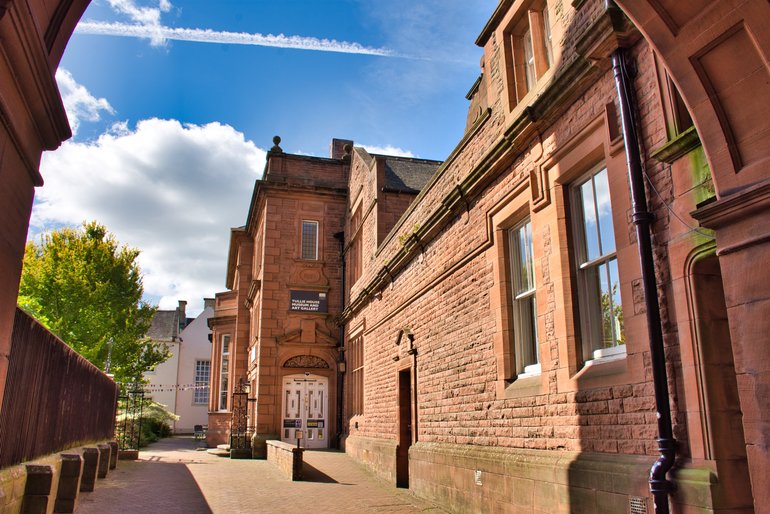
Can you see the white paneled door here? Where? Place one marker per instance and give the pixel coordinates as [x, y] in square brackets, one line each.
[305, 408]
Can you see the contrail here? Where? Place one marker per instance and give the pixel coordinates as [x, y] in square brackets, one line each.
[160, 33]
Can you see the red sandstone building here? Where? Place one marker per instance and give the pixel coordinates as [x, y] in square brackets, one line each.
[495, 349]
[276, 329]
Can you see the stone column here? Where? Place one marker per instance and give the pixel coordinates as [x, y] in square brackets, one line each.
[742, 225]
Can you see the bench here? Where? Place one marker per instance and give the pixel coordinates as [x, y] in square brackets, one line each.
[286, 457]
[199, 432]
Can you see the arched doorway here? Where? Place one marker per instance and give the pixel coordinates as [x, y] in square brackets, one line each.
[305, 410]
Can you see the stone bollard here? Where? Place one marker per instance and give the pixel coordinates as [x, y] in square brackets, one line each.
[69, 483]
[37, 489]
[90, 468]
[104, 460]
[113, 454]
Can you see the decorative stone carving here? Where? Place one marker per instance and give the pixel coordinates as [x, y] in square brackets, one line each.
[306, 361]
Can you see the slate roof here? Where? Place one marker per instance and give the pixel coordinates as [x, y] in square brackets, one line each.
[165, 326]
[407, 175]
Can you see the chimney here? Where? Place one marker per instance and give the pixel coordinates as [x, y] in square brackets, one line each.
[337, 148]
[209, 302]
[182, 312]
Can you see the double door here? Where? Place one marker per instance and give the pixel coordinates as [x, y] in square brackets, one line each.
[305, 408]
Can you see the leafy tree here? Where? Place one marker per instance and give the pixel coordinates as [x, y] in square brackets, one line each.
[87, 289]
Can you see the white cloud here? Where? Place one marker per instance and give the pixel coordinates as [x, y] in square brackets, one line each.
[158, 33]
[388, 150]
[79, 103]
[171, 190]
[147, 17]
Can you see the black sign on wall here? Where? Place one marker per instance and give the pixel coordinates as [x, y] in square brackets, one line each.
[307, 301]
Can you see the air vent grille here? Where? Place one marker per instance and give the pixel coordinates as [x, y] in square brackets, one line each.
[637, 505]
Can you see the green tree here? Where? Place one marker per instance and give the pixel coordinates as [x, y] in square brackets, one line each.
[87, 288]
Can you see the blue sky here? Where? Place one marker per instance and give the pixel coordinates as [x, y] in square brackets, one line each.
[170, 134]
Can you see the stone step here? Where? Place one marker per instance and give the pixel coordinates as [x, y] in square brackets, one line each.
[224, 447]
[219, 452]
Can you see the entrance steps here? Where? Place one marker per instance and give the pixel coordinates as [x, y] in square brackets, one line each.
[222, 450]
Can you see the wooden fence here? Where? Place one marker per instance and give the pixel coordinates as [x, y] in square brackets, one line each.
[54, 398]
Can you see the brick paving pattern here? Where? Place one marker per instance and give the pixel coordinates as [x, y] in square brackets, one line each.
[171, 476]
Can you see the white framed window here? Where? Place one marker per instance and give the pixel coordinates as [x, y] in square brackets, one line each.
[601, 314]
[202, 375]
[529, 60]
[309, 250]
[356, 364]
[547, 37]
[524, 302]
[528, 51]
[355, 250]
[224, 371]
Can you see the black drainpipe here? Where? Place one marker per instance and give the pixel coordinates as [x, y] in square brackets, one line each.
[340, 236]
[660, 486]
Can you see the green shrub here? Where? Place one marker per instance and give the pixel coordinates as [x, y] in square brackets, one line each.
[156, 421]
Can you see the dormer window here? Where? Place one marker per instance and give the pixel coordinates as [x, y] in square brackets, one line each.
[528, 50]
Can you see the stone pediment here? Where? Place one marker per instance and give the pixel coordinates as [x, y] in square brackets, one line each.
[307, 335]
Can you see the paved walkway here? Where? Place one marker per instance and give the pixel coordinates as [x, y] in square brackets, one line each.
[171, 476]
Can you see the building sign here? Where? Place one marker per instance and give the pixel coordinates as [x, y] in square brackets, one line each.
[292, 423]
[307, 301]
[315, 423]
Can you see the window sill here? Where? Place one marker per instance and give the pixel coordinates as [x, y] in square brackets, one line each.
[529, 371]
[677, 147]
[525, 384]
[597, 371]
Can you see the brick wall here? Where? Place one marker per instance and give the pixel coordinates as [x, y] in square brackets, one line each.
[446, 287]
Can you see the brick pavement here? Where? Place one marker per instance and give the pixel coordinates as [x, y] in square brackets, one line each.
[171, 476]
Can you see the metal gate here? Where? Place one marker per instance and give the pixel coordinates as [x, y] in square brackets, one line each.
[128, 420]
[240, 431]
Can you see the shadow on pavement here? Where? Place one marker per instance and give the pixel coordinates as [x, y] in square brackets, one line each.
[146, 486]
[312, 474]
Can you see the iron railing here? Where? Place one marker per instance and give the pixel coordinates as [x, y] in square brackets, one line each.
[240, 431]
[128, 422]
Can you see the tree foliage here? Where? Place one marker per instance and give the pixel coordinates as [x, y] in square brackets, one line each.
[87, 288]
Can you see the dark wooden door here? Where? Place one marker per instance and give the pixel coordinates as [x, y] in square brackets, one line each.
[404, 428]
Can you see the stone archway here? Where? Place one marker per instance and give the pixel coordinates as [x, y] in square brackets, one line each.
[717, 53]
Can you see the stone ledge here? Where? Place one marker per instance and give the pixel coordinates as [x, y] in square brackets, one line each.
[378, 455]
[286, 457]
[467, 477]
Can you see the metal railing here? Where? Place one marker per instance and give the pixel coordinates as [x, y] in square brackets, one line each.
[128, 422]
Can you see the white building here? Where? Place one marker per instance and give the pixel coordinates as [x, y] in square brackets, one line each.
[182, 382]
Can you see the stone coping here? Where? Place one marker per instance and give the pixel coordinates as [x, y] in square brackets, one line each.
[286, 457]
